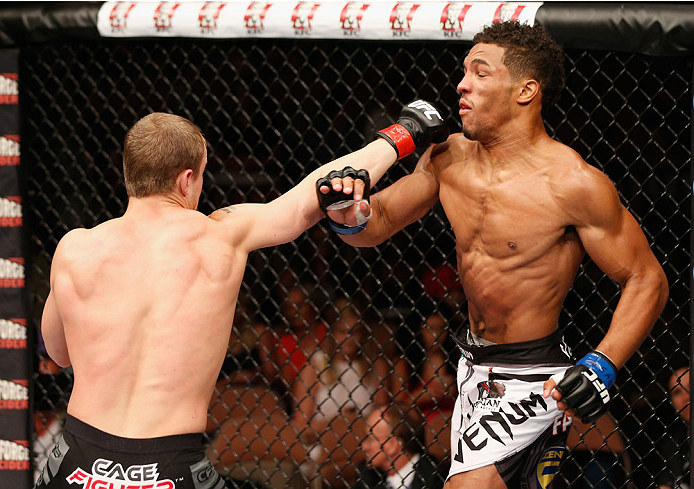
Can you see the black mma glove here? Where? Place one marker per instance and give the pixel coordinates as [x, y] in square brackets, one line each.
[419, 125]
[585, 386]
[338, 200]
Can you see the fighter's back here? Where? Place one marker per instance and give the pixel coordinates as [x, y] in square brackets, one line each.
[146, 303]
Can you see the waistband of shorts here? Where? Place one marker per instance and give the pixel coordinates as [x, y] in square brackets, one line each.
[101, 439]
[550, 350]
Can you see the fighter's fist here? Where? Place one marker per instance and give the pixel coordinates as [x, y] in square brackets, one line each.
[344, 197]
[585, 387]
[419, 125]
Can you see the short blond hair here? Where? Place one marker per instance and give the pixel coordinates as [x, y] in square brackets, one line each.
[157, 148]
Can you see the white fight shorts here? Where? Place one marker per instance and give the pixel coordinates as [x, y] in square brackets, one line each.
[500, 416]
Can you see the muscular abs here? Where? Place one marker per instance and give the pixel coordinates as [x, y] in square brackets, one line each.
[517, 252]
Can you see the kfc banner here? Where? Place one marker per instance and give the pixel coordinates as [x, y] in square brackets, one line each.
[379, 20]
[14, 354]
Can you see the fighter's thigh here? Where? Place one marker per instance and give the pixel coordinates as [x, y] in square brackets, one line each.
[485, 477]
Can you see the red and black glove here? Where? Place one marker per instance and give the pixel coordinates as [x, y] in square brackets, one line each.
[419, 125]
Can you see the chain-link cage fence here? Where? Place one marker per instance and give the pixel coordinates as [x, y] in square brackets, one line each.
[324, 330]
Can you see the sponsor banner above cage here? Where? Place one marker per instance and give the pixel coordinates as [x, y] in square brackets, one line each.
[653, 28]
[424, 20]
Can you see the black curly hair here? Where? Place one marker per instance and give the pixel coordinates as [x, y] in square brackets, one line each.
[531, 52]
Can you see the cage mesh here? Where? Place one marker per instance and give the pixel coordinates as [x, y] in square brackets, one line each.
[271, 112]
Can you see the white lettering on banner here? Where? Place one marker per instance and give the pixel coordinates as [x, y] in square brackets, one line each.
[8, 147]
[10, 208]
[9, 330]
[11, 391]
[10, 450]
[11, 269]
[8, 86]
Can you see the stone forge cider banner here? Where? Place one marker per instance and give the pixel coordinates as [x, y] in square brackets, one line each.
[14, 354]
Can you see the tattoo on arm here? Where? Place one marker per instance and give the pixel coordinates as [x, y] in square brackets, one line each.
[228, 210]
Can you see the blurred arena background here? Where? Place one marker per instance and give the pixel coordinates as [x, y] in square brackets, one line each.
[272, 110]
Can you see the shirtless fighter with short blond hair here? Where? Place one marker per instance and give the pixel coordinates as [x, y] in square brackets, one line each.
[142, 306]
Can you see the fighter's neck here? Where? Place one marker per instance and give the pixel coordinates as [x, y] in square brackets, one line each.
[154, 204]
[514, 145]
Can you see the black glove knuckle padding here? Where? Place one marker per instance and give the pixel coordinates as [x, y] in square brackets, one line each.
[333, 197]
[424, 130]
[349, 172]
[579, 395]
[333, 174]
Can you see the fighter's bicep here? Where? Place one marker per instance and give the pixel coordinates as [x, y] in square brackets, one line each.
[618, 246]
[253, 226]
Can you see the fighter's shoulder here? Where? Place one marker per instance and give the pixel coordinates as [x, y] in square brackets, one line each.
[456, 149]
[71, 246]
[73, 239]
[572, 173]
[579, 184]
[230, 222]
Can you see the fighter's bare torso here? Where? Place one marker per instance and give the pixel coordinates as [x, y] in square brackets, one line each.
[147, 303]
[517, 249]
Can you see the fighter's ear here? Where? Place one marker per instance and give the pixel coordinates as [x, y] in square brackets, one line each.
[184, 181]
[528, 89]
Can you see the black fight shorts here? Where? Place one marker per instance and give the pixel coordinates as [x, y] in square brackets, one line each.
[500, 416]
[88, 458]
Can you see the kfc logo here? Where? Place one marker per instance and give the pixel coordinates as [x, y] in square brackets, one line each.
[351, 16]
[119, 16]
[163, 15]
[508, 11]
[401, 16]
[452, 18]
[255, 15]
[303, 16]
[208, 16]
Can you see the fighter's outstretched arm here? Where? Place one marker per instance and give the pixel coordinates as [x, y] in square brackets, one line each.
[420, 124]
[284, 219]
[254, 226]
